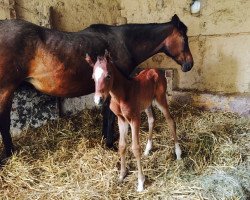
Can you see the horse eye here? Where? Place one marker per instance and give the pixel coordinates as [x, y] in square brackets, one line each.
[108, 77]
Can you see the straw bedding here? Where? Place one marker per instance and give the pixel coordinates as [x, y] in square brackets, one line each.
[67, 159]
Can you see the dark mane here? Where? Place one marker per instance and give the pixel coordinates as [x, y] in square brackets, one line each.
[140, 32]
[100, 27]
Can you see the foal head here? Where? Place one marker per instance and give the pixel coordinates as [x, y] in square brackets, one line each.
[103, 76]
[176, 45]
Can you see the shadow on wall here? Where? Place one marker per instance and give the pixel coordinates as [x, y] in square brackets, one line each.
[31, 108]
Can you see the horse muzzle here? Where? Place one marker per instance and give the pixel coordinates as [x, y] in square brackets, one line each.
[99, 100]
[187, 66]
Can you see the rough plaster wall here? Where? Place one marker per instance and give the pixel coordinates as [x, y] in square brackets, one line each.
[71, 15]
[219, 41]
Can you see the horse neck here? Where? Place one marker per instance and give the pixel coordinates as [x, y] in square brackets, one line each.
[120, 85]
[144, 40]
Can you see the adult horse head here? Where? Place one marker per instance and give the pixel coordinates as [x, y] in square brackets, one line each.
[176, 45]
[141, 41]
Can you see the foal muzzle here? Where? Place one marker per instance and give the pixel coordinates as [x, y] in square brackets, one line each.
[99, 100]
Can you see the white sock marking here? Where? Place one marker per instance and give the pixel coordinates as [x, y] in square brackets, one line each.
[98, 73]
[177, 151]
[148, 147]
[140, 186]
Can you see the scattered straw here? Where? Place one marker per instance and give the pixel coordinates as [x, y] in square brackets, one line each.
[67, 159]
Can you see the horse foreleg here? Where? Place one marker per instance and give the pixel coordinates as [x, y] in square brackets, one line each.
[5, 108]
[123, 129]
[136, 148]
[151, 119]
[108, 125]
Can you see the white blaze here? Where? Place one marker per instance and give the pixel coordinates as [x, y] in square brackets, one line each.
[98, 73]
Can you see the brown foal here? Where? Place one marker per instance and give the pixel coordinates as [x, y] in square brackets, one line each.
[128, 99]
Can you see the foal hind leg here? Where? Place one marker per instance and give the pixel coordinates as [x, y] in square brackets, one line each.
[5, 108]
[151, 120]
[162, 104]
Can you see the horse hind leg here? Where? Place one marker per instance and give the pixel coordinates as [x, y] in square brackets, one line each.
[161, 102]
[6, 96]
[151, 120]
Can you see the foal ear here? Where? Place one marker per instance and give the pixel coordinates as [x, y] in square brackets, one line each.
[176, 20]
[107, 55]
[89, 60]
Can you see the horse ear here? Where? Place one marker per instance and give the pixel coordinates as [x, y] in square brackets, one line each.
[106, 53]
[176, 20]
[89, 60]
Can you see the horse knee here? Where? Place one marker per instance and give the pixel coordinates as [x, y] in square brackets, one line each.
[122, 149]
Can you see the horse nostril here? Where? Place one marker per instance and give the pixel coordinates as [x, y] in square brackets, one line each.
[187, 67]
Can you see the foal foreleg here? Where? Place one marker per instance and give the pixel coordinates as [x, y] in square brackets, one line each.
[162, 104]
[123, 129]
[136, 148]
[150, 115]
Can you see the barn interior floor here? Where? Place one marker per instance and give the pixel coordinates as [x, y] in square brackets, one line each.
[67, 159]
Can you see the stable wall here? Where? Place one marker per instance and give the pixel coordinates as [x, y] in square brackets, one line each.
[70, 15]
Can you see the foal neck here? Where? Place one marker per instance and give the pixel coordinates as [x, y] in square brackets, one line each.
[120, 85]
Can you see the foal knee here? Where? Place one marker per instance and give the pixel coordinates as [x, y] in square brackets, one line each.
[122, 149]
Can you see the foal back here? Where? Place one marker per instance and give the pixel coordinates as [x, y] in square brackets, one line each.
[151, 84]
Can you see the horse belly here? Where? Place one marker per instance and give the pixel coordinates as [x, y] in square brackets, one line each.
[49, 75]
